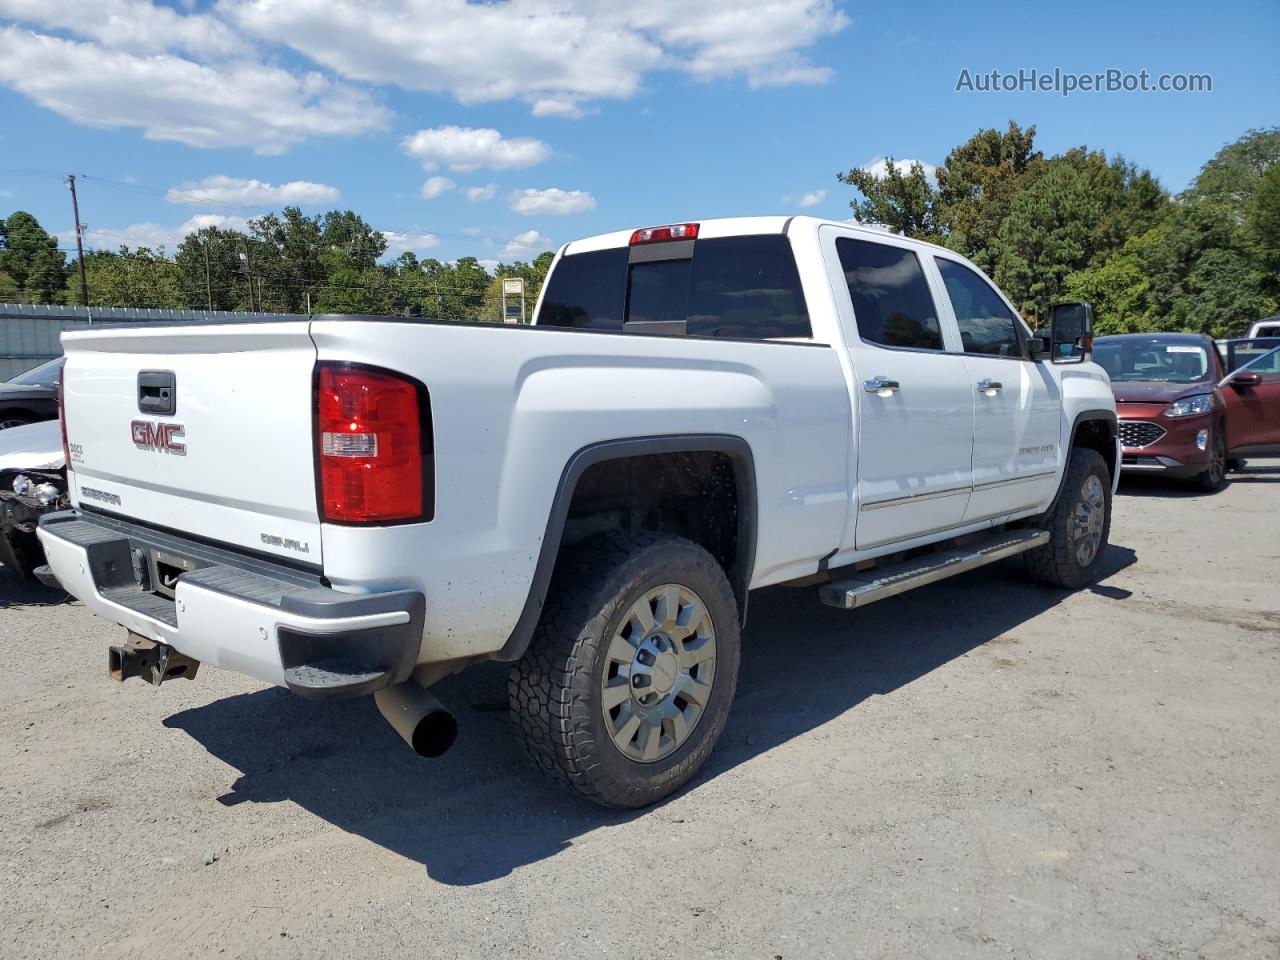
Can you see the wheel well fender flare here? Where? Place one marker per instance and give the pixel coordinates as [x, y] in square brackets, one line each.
[734, 447]
[1088, 416]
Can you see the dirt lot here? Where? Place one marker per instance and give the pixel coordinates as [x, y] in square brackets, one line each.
[980, 769]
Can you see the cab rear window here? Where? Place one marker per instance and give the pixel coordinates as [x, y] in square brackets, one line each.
[744, 288]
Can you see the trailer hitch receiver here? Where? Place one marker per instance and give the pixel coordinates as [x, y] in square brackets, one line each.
[154, 662]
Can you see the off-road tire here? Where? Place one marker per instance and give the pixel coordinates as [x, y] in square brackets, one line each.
[1214, 477]
[554, 690]
[1056, 564]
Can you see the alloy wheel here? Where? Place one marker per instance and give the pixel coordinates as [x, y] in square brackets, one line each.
[1087, 520]
[658, 673]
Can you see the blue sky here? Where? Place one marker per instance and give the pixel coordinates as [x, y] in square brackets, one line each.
[570, 117]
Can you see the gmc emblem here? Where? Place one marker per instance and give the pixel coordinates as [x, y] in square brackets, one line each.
[160, 437]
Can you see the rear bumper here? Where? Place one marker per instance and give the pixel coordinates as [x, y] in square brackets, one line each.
[237, 612]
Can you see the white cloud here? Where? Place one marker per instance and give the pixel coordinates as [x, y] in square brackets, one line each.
[238, 104]
[879, 168]
[432, 187]
[526, 246]
[552, 200]
[470, 148]
[557, 107]
[153, 235]
[402, 242]
[481, 194]
[241, 192]
[810, 199]
[551, 53]
[139, 26]
[490, 265]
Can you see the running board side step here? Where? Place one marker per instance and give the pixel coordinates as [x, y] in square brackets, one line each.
[887, 581]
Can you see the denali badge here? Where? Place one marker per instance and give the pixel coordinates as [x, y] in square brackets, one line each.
[289, 543]
[160, 437]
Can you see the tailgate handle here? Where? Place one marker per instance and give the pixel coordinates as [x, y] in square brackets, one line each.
[157, 392]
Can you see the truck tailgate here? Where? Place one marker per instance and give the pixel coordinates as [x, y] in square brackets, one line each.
[230, 460]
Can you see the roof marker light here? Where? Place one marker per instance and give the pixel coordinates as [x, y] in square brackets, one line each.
[674, 231]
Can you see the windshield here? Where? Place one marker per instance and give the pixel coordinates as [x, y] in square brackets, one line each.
[45, 375]
[1154, 360]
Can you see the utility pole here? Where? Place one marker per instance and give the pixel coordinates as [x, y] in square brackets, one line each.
[208, 287]
[75, 212]
[248, 273]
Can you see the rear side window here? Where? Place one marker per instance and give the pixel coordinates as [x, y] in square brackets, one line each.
[891, 301]
[986, 324]
[586, 290]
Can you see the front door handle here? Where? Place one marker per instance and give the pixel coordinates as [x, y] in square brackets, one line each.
[881, 385]
[989, 386]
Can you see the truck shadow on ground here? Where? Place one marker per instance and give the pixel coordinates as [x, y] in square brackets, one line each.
[481, 811]
[17, 592]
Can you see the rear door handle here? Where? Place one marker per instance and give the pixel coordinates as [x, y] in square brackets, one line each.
[880, 385]
[987, 386]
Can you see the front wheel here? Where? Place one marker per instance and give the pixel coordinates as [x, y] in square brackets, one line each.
[1211, 479]
[627, 682]
[1079, 525]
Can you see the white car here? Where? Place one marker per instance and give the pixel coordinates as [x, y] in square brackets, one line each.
[32, 483]
[347, 505]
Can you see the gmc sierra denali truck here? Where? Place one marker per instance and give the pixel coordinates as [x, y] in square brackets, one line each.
[362, 505]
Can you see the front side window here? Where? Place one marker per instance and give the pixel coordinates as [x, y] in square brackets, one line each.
[987, 326]
[892, 305]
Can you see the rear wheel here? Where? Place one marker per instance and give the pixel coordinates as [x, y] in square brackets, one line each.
[1079, 525]
[627, 683]
[8, 420]
[1213, 476]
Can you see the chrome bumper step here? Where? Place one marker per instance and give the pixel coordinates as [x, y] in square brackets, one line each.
[886, 581]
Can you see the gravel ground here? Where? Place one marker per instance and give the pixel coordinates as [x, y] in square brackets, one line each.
[980, 769]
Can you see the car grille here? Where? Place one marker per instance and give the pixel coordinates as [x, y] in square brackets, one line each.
[1139, 433]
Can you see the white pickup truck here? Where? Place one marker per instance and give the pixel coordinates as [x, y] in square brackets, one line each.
[355, 505]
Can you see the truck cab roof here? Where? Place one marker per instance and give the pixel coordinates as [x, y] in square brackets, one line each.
[736, 227]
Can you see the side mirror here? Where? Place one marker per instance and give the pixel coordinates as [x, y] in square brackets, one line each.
[1246, 379]
[1070, 332]
[1038, 346]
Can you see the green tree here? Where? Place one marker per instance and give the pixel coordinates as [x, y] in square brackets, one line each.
[132, 278]
[210, 272]
[977, 184]
[1264, 226]
[905, 202]
[1234, 175]
[31, 259]
[1045, 237]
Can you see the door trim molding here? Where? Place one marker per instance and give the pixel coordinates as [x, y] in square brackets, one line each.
[952, 491]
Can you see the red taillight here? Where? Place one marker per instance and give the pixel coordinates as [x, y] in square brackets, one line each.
[371, 446]
[62, 415]
[674, 231]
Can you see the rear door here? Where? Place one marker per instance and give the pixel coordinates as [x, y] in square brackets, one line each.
[202, 429]
[915, 403]
[1017, 402]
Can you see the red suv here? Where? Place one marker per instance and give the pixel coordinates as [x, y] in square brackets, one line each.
[1183, 412]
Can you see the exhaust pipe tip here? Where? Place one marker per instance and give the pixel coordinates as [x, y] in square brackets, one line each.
[422, 721]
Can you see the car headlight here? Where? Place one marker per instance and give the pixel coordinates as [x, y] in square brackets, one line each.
[1201, 403]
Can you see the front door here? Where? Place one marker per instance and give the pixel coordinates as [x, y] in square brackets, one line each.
[914, 403]
[1017, 401]
[1253, 411]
